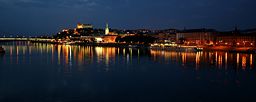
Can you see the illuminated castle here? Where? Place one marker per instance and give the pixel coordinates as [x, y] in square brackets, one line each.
[83, 26]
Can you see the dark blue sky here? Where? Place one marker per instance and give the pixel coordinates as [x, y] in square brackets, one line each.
[50, 16]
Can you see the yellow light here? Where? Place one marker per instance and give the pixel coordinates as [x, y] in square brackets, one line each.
[99, 39]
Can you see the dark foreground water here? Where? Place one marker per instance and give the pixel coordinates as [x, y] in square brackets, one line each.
[62, 73]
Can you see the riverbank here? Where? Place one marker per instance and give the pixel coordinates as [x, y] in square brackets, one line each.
[230, 49]
[170, 48]
[208, 48]
[97, 44]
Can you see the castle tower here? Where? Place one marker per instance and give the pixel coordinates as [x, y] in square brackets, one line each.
[107, 29]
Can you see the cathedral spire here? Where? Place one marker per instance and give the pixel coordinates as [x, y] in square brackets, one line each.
[106, 29]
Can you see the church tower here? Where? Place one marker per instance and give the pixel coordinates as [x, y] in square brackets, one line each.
[107, 29]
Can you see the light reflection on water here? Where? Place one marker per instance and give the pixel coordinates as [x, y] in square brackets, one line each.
[68, 55]
[211, 59]
[121, 74]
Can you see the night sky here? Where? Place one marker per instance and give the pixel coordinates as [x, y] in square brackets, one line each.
[36, 17]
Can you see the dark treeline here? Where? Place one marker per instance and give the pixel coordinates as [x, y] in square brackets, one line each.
[141, 39]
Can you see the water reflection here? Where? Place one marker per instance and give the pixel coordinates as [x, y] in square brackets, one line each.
[68, 56]
[207, 59]
[64, 73]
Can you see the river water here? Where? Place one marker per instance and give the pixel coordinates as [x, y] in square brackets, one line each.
[34, 72]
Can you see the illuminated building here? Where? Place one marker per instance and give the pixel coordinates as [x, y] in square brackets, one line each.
[87, 38]
[196, 36]
[84, 29]
[236, 38]
[98, 39]
[165, 36]
[84, 26]
[112, 33]
[110, 38]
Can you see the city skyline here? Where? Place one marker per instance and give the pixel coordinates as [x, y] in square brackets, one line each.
[37, 17]
[127, 50]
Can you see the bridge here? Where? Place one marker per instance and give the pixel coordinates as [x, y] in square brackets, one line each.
[25, 39]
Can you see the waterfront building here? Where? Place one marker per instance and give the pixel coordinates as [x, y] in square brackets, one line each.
[165, 36]
[196, 36]
[246, 38]
[98, 39]
[109, 38]
[87, 38]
